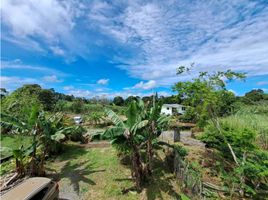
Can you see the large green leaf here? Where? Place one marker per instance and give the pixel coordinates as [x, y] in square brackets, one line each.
[58, 137]
[111, 133]
[139, 125]
[132, 114]
[114, 118]
[11, 122]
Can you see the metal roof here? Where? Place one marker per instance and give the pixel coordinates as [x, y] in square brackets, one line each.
[27, 188]
[173, 105]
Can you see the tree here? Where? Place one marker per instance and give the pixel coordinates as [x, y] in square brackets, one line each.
[130, 99]
[204, 94]
[254, 96]
[119, 101]
[170, 99]
[77, 106]
[47, 98]
[3, 92]
[126, 136]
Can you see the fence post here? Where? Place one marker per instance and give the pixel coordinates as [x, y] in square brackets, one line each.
[176, 134]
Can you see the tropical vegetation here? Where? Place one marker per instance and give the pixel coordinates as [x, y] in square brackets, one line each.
[37, 129]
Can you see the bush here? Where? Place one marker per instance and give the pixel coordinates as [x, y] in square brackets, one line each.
[241, 139]
[253, 161]
[180, 150]
[77, 106]
[76, 134]
[189, 115]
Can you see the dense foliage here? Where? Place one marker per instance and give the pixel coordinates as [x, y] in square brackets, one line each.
[247, 132]
[207, 94]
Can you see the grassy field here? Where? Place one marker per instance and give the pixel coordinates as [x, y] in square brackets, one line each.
[96, 173]
[13, 142]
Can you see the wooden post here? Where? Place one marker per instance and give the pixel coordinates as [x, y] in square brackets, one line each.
[176, 134]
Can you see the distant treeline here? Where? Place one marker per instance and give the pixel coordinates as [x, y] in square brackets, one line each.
[50, 100]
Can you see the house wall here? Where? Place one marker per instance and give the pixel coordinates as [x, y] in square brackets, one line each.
[166, 111]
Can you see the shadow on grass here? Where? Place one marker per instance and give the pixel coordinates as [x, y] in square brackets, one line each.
[77, 173]
[161, 181]
[72, 168]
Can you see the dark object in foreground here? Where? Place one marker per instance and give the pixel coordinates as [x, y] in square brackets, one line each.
[36, 188]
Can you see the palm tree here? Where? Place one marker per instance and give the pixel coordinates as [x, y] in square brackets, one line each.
[125, 135]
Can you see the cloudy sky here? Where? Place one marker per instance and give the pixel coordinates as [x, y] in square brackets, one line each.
[121, 47]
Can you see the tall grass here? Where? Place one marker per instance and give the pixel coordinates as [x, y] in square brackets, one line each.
[252, 117]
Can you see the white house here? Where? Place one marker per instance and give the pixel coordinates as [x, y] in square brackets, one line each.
[173, 109]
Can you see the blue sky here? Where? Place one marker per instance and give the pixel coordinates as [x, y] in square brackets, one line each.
[109, 48]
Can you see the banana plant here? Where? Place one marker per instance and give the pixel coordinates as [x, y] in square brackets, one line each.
[126, 136]
[156, 124]
[96, 118]
[47, 132]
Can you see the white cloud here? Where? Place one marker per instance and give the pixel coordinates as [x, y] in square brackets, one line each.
[145, 85]
[52, 21]
[111, 93]
[233, 91]
[51, 79]
[156, 36]
[70, 87]
[81, 93]
[12, 82]
[103, 81]
[57, 50]
[17, 64]
[262, 83]
[164, 35]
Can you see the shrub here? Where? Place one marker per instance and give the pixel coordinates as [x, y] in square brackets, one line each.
[76, 134]
[189, 116]
[241, 139]
[180, 150]
[251, 175]
[77, 106]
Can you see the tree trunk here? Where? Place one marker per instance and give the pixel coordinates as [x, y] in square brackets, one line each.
[18, 170]
[137, 167]
[41, 170]
[149, 157]
[176, 134]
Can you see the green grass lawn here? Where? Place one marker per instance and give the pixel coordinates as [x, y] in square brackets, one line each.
[96, 173]
[9, 142]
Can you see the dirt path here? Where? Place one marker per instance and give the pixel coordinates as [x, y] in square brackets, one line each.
[100, 144]
[187, 140]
